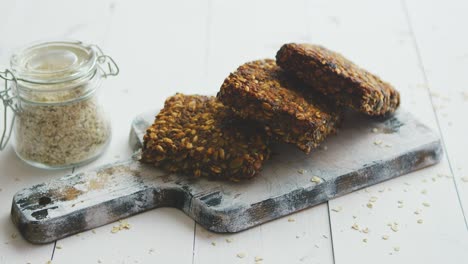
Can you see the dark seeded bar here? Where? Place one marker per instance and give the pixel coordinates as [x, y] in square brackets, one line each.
[335, 76]
[199, 136]
[260, 91]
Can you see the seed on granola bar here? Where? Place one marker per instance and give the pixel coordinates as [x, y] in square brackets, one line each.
[199, 136]
[261, 91]
[332, 74]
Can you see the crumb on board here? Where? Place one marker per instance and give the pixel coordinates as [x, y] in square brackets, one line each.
[228, 240]
[370, 205]
[364, 240]
[213, 243]
[420, 221]
[464, 179]
[426, 204]
[290, 219]
[385, 237]
[241, 255]
[316, 179]
[396, 249]
[355, 226]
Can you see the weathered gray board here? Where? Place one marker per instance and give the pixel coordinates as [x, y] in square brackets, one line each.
[352, 160]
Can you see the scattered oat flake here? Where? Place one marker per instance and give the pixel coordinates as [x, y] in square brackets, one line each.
[400, 206]
[14, 235]
[426, 204]
[123, 224]
[464, 179]
[424, 191]
[241, 255]
[369, 205]
[337, 209]
[316, 179]
[400, 201]
[420, 221]
[324, 236]
[381, 191]
[378, 142]
[228, 240]
[417, 212]
[355, 226]
[300, 171]
[388, 145]
[58, 247]
[364, 240]
[290, 219]
[213, 243]
[93, 231]
[257, 259]
[396, 249]
[375, 130]
[373, 199]
[394, 228]
[365, 230]
[385, 237]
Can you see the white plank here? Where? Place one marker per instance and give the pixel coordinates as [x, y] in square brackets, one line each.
[160, 49]
[437, 28]
[375, 35]
[243, 31]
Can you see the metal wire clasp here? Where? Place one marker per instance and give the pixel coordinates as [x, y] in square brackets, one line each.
[7, 97]
[103, 59]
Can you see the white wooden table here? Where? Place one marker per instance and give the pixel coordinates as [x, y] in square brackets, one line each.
[164, 47]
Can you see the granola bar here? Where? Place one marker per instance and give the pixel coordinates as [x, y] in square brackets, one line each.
[332, 74]
[199, 136]
[260, 91]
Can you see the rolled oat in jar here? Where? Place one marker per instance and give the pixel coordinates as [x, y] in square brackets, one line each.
[53, 92]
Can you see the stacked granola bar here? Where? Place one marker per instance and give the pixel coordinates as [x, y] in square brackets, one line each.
[298, 99]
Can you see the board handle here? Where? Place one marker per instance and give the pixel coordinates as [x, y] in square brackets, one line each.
[46, 212]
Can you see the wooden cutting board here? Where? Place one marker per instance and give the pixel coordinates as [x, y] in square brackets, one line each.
[364, 152]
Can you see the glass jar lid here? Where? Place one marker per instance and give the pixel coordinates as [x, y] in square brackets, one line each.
[54, 62]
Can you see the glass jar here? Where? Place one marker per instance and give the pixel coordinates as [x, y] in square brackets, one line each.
[52, 89]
